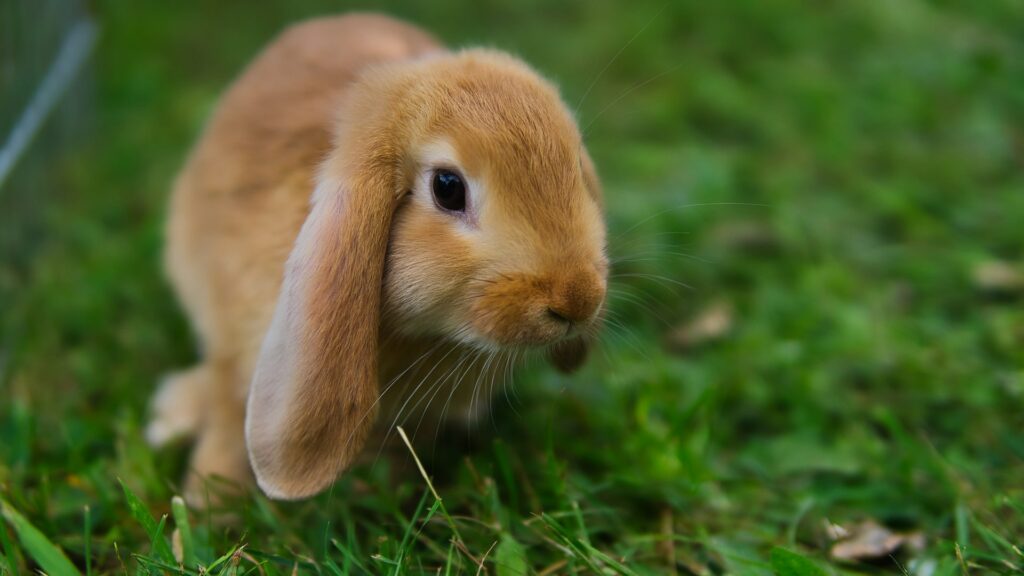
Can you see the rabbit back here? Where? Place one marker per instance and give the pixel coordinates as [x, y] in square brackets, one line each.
[240, 201]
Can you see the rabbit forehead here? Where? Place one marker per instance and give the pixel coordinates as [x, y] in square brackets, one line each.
[508, 131]
[498, 114]
[529, 170]
[502, 121]
[536, 192]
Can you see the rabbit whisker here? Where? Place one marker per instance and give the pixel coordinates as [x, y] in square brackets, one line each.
[616, 57]
[470, 368]
[435, 387]
[433, 390]
[684, 207]
[466, 368]
[622, 96]
[654, 255]
[504, 387]
[618, 329]
[632, 298]
[391, 384]
[409, 398]
[656, 277]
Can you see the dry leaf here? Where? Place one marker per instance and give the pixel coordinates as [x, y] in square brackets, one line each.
[667, 547]
[836, 531]
[869, 541]
[713, 323]
[176, 547]
[998, 277]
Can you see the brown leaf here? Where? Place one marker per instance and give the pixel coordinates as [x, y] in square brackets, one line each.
[996, 276]
[667, 547]
[176, 547]
[869, 541]
[712, 323]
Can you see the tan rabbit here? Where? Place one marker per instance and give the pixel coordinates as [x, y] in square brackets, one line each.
[368, 213]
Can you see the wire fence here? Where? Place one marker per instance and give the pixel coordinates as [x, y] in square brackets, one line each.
[45, 108]
[45, 104]
[44, 45]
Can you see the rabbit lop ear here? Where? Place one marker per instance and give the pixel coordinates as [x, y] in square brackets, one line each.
[313, 397]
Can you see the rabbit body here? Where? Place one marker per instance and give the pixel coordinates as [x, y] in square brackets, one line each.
[267, 249]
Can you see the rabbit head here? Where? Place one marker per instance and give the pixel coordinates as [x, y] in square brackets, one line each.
[458, 202]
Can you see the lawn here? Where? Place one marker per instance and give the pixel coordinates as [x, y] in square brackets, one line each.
[816, 213]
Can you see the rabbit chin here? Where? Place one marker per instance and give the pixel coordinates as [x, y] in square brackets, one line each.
[537, 335]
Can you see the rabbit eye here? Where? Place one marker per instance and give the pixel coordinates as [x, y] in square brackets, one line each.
[449, 190]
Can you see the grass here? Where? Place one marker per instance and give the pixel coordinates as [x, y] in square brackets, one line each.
[832, 173]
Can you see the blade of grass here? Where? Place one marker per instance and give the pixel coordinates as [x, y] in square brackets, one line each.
[87, 540]
[430, 485]
[11, 556]
[188, 548]
[48, 555]
[275, 563]
[403, 546]
[142, 516]
[510, 557]
[231, 566]
[787, 563]
[581, 526]
[448, 565]
[159, 564]
[597, 560]
[963, 525]
[502, 459]
[483, 559]
[349, 556]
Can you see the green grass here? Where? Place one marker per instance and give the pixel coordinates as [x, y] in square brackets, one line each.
[833, 173]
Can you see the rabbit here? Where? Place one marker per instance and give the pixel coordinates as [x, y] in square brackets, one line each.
[365, 216]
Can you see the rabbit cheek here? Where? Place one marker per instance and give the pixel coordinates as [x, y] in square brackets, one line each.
[426, 263]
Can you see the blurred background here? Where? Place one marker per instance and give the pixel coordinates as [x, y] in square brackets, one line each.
[817, 331]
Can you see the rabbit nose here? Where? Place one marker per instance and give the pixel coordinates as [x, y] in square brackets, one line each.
[576, 298]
